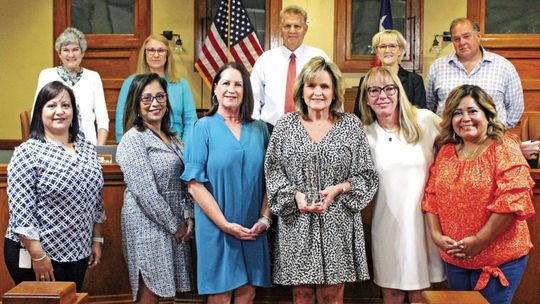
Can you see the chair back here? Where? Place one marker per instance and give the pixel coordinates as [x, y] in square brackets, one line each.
[25, 125]
[530, 126]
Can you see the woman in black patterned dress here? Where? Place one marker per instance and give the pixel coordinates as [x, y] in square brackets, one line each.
[319, 176]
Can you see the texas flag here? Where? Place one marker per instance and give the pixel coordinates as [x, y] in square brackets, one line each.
[385, 23]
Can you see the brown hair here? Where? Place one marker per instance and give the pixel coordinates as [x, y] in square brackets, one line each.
[132, 111]
[246, 107]
[309, 72]
[486, 104]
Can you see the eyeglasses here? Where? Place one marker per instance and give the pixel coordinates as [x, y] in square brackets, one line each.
[391, 47]
[389, 90]
[153, 51]
[148, 99]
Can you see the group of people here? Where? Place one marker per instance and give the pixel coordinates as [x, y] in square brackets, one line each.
[451, 192]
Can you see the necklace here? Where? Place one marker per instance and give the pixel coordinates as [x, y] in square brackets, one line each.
[390, 132]
[475, 151]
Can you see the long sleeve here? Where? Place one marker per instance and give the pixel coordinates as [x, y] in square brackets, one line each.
[22, 193]
[358, 99]
[120, 106]
[279, 190]
[419, 92]
[100, 106]
[189, 115]
[133, 158]
[362, 177]
[513, 98]
[431, 96]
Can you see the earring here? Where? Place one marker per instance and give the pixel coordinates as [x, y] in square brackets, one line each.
[490, 129]
[214, 99]
[454, 136]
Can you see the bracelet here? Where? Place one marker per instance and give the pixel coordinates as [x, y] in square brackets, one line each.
[41, 258]
[98, 239]
[343, 188]
[268, 218]
[265, 221]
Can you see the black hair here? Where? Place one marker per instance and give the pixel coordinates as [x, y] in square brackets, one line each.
[48, 92]
[132, 111]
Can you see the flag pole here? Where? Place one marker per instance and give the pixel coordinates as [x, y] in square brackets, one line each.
[229, 31]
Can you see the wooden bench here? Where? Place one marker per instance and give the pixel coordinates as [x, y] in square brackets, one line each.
[453, 297]
[44, 293]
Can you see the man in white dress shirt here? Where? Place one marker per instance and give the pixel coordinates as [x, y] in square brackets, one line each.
[269, 77]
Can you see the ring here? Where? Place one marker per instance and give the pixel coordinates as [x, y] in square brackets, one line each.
[42, 277]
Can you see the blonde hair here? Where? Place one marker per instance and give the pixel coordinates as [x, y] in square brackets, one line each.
[171, 71]
[485, 103]
[400, 40]
[407, 112]
[309, 72]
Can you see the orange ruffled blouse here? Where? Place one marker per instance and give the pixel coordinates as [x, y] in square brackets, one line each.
[464, 193]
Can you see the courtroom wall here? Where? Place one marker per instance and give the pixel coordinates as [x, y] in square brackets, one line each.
[26, 44]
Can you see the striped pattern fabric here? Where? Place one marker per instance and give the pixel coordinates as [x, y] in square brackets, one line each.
[244, 45]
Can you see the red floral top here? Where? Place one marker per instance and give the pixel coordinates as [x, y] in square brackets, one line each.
[464, 193]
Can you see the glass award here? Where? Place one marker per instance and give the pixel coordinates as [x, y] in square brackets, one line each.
[313, 180]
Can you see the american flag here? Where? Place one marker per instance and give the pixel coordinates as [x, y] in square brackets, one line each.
[244, 46]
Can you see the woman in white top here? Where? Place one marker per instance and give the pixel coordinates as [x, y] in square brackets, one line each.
[401, 139]
[85, 83]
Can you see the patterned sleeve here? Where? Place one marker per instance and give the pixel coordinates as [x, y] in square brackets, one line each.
[100, 216]
[196, 154]
[429, 202]
[22, 193]
[431, 97]
[513, 97]
[133, 159]
[514, 182]
[279, 190]
[189, 115]
[362, 177]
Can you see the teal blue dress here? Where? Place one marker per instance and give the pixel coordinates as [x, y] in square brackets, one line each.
[182, 105]
[233, 172]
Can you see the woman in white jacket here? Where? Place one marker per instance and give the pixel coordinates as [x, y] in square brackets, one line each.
[85, 83]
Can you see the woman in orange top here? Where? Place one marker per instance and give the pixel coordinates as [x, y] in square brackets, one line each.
[478, 197]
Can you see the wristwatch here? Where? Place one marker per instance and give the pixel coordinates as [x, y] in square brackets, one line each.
[98, 239]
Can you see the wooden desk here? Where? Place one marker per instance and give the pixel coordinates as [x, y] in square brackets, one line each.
[109, 282]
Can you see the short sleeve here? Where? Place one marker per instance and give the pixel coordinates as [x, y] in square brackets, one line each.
[513, 179]
[196, 153]
[120, 106]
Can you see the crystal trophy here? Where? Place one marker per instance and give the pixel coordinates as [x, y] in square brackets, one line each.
[313, 180]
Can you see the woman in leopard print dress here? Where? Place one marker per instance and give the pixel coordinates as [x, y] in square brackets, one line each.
[319, 176]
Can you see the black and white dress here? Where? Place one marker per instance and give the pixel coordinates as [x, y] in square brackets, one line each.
[156, 203]
[326, 248]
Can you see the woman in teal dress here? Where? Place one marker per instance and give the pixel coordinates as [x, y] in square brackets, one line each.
[156, 57]
[224, 161]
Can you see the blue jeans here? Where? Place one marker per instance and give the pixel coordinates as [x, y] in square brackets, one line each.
[465, 279]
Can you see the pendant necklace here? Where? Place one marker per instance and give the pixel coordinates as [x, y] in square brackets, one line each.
[390, 132]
